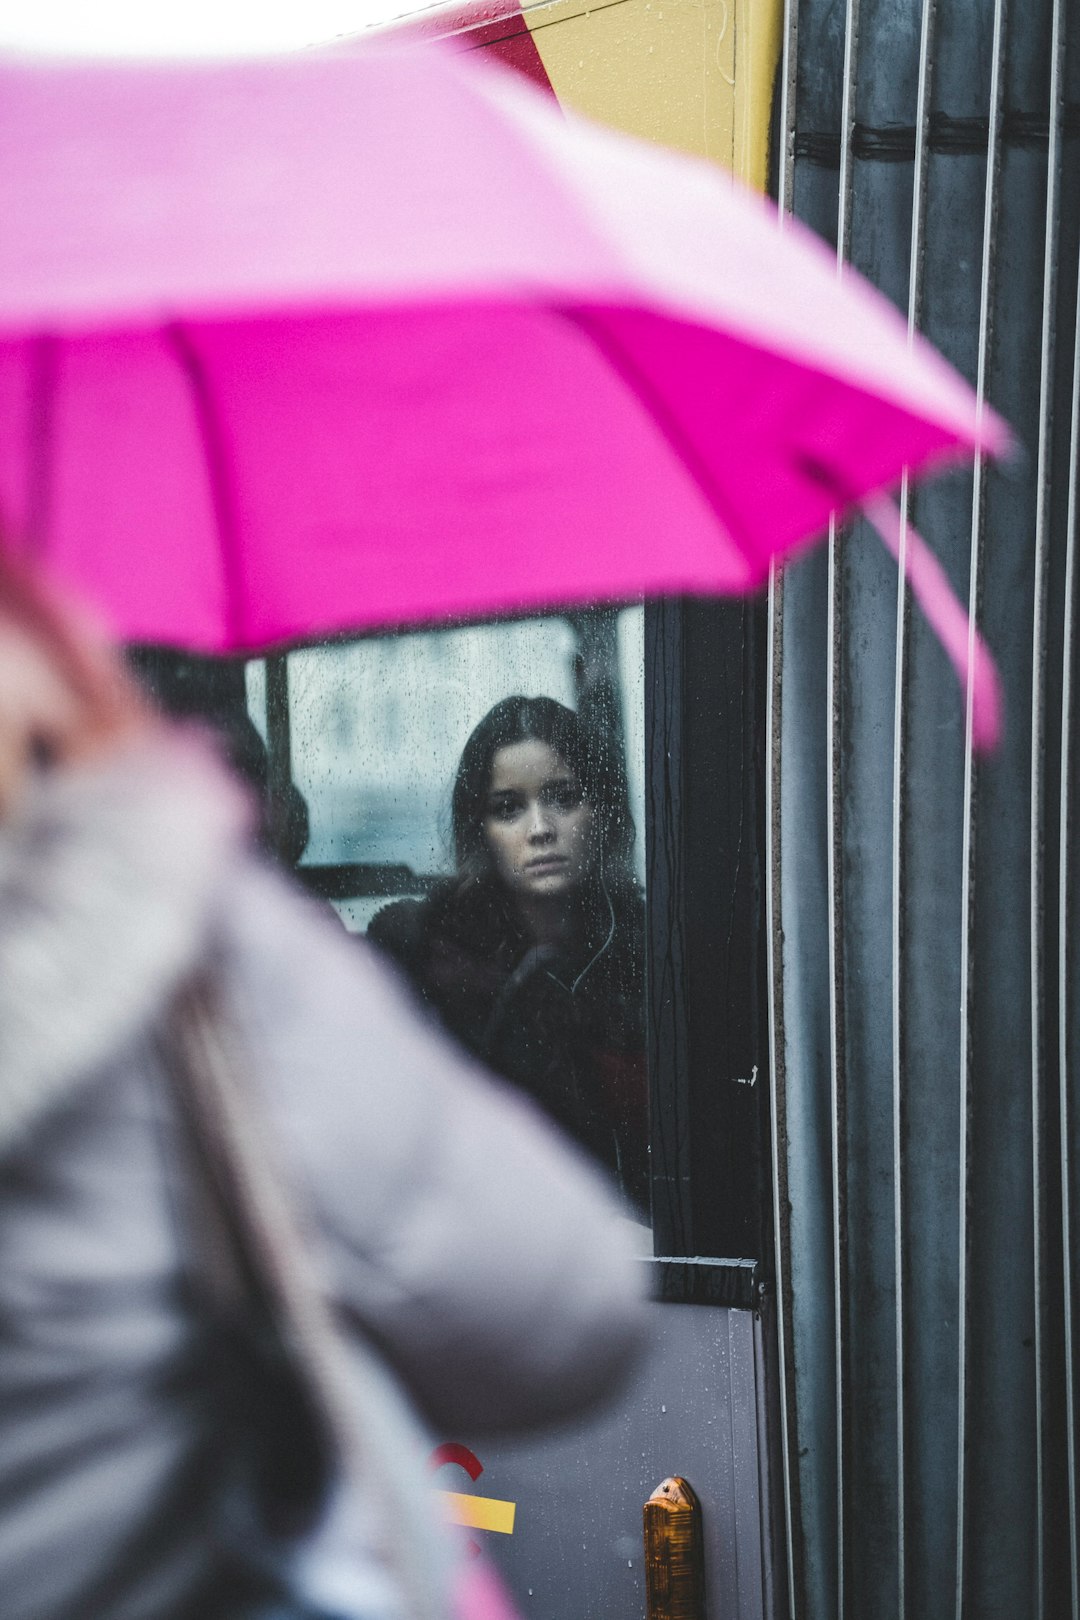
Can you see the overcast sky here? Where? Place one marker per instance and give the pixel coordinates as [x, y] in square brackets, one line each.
[198, 27]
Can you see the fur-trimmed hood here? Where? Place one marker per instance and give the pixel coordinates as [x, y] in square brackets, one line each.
[108, 878]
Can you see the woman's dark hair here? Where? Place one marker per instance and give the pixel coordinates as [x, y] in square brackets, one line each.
[594, 759]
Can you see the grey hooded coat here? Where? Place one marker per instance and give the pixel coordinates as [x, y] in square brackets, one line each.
[453, 1229]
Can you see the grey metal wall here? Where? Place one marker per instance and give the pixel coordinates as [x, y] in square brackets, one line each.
[925, 980]
[694, 1408]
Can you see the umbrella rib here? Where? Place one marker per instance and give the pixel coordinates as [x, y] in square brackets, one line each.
[208, 417]
[624, 366]
[41, 447]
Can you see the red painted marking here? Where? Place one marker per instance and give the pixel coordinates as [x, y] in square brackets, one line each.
[451, 1452]
[468, 28]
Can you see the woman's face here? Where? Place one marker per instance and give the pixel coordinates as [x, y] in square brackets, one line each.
[537, 826]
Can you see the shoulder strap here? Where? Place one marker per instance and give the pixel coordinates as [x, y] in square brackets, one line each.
[261, 1277]
[251, 1261]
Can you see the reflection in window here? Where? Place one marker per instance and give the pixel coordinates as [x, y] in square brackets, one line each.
[378, 726]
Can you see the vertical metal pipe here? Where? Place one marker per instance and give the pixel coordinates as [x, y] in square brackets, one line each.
[915, 288]
[789, 61]
[773, 856]
[847, 125]
[1064, 956]
[922, 155]
[1038, 783]
[834, 825]
[777, 1099]
[278, 742]
[978, 510]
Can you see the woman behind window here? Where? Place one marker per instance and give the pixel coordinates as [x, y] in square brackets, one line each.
[532, 954]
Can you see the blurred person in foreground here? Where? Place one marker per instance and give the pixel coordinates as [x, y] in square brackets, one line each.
[450, 1226]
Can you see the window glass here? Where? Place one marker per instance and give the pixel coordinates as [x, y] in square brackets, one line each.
[378, 728]
[474, 803]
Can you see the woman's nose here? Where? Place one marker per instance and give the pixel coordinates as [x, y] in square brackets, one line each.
[539, 825]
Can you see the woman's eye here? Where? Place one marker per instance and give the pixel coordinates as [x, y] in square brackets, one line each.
[503, 809]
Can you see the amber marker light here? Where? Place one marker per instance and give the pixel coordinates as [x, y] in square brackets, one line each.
[674, 1555]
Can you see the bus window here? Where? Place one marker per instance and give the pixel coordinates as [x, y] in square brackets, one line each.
[475, 800]
[354, 749]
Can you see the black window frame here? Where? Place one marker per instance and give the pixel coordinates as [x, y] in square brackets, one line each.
[708, 1047]
[705, 864]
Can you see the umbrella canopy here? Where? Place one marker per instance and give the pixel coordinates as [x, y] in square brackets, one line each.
[304, 345]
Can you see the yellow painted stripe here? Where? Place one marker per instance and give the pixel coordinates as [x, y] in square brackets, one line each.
[759, 31]
[479, 1512]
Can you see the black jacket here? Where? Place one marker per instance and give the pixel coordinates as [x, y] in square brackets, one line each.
[566, 1024]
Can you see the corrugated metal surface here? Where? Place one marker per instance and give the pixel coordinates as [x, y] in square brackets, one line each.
[923, 976]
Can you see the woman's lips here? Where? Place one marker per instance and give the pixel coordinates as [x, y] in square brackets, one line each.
[545, 863]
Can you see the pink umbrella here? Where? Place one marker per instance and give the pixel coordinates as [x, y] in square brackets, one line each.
[297, 346]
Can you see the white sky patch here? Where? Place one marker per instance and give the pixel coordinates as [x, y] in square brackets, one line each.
[188, 27]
